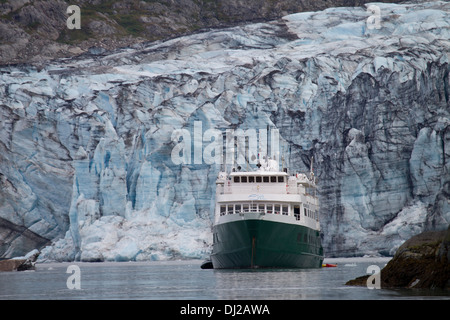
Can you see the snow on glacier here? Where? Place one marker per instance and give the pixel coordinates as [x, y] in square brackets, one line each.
[86, 142]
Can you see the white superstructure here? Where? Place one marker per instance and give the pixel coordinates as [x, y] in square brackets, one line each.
[267, 194]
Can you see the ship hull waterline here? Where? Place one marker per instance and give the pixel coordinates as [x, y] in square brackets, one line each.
[255, 243]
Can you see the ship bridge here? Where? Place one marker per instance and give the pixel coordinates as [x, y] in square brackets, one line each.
[264, 182]
[270, 193]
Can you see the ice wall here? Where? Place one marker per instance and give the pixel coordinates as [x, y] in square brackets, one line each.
[86, 143]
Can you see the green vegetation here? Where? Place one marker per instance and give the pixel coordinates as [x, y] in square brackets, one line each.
[68, 36]
[126, 19]
[126, 23]
[131, 23]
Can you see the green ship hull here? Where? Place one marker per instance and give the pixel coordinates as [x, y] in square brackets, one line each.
[256, 243]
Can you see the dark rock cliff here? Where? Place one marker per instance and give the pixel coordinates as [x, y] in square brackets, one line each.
[36, 31]
[421, 262]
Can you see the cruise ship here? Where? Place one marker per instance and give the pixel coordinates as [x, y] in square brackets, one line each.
[266, 219]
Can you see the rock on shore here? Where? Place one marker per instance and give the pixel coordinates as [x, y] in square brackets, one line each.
[21, 263]
[421, 262]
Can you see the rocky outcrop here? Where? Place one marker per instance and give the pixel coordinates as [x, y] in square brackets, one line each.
[17, 239]
[421, 262]
[36, 31]
[20, 264]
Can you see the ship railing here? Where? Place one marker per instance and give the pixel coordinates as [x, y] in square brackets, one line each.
[273, 189]
[256, 210]
[313, 221]
[304, 197]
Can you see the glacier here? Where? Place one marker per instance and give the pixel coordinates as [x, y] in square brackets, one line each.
[86, 171]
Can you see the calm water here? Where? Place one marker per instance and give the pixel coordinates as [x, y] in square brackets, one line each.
[185, 280]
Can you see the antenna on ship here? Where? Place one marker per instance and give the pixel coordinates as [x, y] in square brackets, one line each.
[283, 158]
[247, 151]
[288, 160]
[267, 142]
[224, 151]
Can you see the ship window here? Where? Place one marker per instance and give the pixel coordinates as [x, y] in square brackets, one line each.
[254, 207]
[236, 179]
[273, 179]
[245, 207]
[277, 209]
[258, 179]
[266, 179]
[305, 211]
[243, 179]
[230, 209]
[269, 208]
[251, 179]
[261, 207]
[285, 210]
[297, 212]
[237, 208]
[280, 179]
[223, 209]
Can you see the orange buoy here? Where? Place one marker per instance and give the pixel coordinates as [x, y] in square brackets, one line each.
[329, 265]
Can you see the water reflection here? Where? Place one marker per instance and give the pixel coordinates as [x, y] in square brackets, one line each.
[282, 284]
[185, 280]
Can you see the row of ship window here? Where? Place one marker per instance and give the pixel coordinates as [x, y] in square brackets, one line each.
[269, 208]
[258, 179]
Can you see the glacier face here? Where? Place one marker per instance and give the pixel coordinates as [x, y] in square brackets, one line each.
[86, 167]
